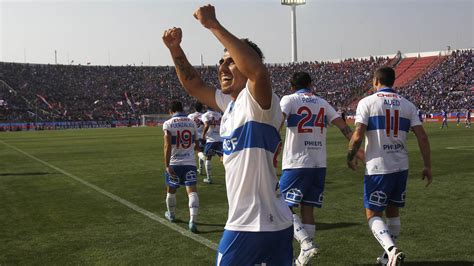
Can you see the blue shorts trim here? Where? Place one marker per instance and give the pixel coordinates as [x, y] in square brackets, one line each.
[303, 186]
[251, 248]
[185, 175]
[213, 148]
[380, 190]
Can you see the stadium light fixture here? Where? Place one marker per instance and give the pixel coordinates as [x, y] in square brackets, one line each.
[293, 4]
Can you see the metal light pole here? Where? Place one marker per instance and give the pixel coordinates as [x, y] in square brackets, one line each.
[293, 4]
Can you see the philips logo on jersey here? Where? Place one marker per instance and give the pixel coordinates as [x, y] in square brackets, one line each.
[393, 147]
[313, 143]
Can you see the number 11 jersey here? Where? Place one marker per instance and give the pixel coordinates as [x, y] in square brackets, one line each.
[388, 117]
[307, 117]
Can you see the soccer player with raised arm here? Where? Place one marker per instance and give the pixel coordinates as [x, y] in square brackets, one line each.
[196, 117]
[211, 131]
[384, 120]
[259, 225]
[304, 157]
[180, 141]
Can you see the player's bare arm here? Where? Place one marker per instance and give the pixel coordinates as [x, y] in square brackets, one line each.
[205, 129]
[167, 153]
[354, 145]
[347, 133]
[282, 122]
[247, 60]
[343, 127]
[187, 74]
[424, 145]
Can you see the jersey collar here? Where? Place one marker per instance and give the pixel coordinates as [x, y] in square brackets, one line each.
[178, 115]
[303, 90]
[387, 89]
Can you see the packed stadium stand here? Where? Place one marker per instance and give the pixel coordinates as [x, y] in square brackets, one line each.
[106, 94]
[410, 68]
[447, 86]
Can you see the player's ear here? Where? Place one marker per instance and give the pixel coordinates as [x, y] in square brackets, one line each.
[375, 82]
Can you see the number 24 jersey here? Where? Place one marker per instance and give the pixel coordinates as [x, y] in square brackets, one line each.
[307, 117]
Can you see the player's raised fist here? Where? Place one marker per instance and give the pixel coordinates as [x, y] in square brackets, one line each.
[207, 16]
[172, 37]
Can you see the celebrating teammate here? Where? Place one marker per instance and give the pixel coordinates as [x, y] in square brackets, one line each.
[196, 117]
[180, 141]
[385, 119]
[212, 125]
[304, 157]
[259, 225]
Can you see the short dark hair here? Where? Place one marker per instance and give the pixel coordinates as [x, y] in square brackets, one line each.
[254, 47]
[198, 106]
[176, 106]
[385, 75]
[300, 80]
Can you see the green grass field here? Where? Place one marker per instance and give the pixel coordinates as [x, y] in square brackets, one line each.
[48, 217]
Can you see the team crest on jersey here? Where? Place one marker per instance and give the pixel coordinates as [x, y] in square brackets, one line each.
[191, 176]
[294, 195]
[378, 198]
[228, 145]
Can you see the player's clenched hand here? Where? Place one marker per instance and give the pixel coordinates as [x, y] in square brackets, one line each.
[207, 16]
[172, 37]
[426, 174]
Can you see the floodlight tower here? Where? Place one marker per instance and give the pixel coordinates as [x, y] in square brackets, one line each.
[293, 4]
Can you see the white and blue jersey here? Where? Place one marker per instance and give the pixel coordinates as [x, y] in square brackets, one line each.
[213, 119]
[388, 117]
[196, 117]
[259, 224]
[304, 153]
[250, 143]
[183, 134]
[307, 118]
[213, 138]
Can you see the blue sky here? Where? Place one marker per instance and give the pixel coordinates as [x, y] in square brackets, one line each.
[129, 32]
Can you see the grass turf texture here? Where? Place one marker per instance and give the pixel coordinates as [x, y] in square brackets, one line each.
[48, 218]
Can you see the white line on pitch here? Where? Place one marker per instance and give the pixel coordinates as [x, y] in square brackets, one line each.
[208, 243]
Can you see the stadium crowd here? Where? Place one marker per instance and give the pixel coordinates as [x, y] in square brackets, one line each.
[34, 92]
[446, 87]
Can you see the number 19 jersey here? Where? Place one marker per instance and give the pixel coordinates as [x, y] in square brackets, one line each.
[388, 117]
[183, 133]
[307, 117]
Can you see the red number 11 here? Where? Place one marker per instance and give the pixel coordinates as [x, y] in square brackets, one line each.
[396, 121]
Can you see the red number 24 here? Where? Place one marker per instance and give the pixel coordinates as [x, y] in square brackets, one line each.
[307, 115]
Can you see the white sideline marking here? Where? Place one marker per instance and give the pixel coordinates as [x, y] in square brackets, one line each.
[208, 243]
[461, 148]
